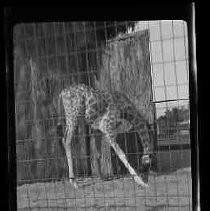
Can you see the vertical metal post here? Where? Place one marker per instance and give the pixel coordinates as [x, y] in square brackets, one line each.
[194, 111]
[10, 149]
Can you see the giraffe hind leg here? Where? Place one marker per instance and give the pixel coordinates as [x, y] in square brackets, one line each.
[124, 160]
[107, 126]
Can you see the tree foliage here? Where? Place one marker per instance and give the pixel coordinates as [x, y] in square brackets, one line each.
[168, 123]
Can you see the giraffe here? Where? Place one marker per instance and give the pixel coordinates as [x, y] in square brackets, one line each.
[111, 113]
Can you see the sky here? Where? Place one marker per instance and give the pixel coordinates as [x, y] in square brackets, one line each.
[169, 62]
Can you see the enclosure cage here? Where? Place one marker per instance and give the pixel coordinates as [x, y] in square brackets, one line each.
[146, 60]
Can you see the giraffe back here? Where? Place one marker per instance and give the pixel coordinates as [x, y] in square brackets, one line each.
[81, 100]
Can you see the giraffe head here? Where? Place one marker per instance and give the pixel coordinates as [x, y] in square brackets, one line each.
[147, 158]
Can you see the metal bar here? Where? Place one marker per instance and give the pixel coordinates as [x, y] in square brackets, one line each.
[162, 101]
[194, 109]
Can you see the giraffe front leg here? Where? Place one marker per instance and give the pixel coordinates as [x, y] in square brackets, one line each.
[123, 158]
[67, 146]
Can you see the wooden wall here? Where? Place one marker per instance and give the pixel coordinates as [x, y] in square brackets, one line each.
[125, 67]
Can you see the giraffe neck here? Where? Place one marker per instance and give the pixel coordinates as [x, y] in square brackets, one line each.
[95, 103]
[140, 125]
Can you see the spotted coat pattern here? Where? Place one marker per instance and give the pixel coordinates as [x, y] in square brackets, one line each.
[111, 113]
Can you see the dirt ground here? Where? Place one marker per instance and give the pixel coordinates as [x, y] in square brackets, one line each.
[171, 192]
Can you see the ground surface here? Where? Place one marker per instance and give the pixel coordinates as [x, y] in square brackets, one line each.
[171, 192]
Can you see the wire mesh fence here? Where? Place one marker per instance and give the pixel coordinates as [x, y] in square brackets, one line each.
[145, 60]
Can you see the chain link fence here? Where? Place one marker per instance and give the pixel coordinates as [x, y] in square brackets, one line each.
[146, 60]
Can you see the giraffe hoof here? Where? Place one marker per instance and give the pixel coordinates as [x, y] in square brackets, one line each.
[73, 182]
[144, 185]
[140, 182]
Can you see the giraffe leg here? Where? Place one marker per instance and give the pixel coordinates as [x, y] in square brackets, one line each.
[122, 157]
[67, 146]
[98, 152]
[107, 126]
